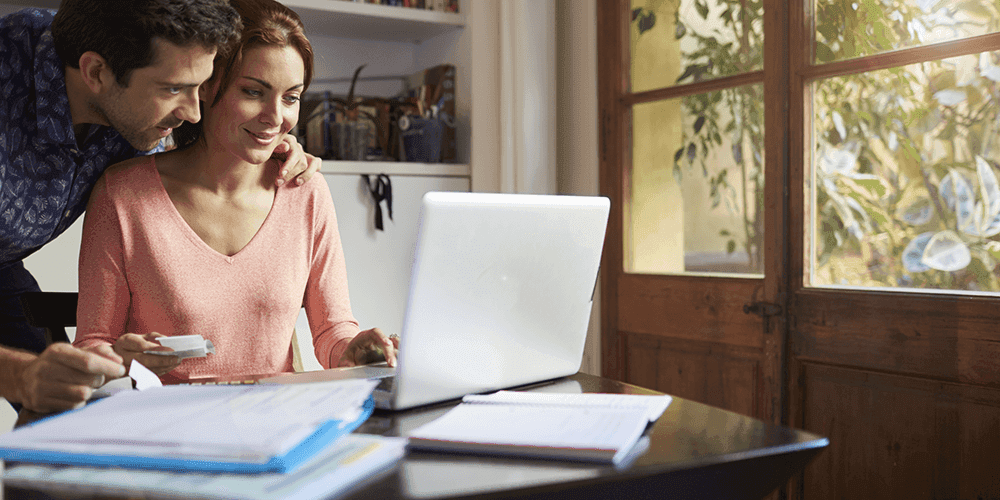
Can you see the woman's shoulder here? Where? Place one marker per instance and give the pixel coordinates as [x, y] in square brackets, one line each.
[133, 174]
[314, 189]
[311, 199]
[128, 168]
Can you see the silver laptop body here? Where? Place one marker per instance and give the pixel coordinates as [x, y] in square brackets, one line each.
[501, 291]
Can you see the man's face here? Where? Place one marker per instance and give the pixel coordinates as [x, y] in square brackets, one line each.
[159, 97]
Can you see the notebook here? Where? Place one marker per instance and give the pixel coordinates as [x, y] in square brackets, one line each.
[500, 296]
[605, 427]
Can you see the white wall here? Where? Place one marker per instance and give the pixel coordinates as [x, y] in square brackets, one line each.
[482, 18]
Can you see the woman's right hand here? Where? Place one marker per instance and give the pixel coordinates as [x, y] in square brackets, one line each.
[370, 346]
[132, 346]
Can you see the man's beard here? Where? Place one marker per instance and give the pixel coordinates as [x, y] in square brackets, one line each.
[139, 137]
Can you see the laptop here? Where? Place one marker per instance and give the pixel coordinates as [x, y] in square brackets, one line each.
[500, 296]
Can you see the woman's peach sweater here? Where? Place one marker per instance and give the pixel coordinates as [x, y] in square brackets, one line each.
[143, 269]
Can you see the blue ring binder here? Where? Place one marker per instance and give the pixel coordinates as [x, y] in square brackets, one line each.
[309, 447]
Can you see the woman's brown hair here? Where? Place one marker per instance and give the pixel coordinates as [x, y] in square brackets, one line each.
[265, 23]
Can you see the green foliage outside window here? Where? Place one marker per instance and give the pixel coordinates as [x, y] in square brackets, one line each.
[905, 190]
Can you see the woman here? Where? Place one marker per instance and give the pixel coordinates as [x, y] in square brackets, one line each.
[199, 240]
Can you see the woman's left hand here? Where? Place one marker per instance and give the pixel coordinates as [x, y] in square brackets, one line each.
[294, 164]
[370, 346]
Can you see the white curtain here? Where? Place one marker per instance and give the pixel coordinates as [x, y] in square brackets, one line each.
[527, 96]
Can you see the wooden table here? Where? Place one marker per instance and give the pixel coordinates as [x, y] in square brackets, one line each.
[694, 451]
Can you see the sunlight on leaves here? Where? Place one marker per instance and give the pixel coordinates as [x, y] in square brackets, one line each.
[839, 160]
[946, 252]
[848, 29]
[988, 209]
[918, 213]
[949, 97]
[916, 148]
[988, 69]
[957, 193]
[913, 255]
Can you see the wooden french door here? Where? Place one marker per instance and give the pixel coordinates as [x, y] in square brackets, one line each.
[715, 337]
[873, 316]
[898, 361]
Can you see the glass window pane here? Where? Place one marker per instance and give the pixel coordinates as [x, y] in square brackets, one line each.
[697, 184]
[686, 41]
[846, 29]
[904, 188]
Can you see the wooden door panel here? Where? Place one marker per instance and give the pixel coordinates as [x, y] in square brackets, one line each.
[894, 436]
[716, 374]
[959, 342]
[689, 336]
[689, 307]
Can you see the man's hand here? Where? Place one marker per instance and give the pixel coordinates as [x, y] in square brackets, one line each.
[370, 346]
[294, 164]
[132, 346]
[63, 377]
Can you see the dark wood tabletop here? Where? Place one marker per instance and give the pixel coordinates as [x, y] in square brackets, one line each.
[693, 451]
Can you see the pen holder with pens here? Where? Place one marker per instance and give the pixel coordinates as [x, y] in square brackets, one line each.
[420, 139]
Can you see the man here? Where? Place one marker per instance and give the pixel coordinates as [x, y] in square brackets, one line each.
[100, 82]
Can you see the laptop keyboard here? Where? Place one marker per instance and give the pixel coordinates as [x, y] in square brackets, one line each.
[386, 384]
[224, 382]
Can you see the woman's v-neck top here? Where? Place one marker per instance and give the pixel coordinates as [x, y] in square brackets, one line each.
[144, 269]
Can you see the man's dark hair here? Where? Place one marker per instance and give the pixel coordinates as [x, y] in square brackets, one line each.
[122, 31]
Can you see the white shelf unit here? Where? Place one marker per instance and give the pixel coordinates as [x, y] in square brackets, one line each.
[365, 21]
[393, 168]
[346, 19]
[390, 41]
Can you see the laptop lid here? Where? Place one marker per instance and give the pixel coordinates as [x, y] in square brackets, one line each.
[501, 291]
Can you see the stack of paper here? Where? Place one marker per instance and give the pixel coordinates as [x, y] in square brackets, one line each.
[242, 429]
[349, 461]
[592, 427]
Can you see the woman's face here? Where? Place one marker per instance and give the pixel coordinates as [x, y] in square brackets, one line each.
[260, 106]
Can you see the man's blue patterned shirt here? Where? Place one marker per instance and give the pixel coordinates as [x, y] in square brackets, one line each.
[45, 176]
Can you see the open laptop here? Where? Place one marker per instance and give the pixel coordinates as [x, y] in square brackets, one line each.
[500, 296]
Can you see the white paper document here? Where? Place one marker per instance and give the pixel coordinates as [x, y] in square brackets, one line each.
[558, 427]
[654, 405]
[185, 346]
[592, 427]
[237, 424]
[144, 377]
[352, 459]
